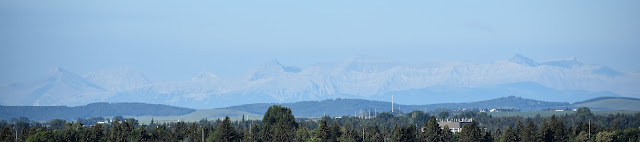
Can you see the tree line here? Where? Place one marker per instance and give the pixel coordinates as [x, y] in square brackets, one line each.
[279, 124]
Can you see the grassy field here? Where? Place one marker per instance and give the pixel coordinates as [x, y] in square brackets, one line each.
[613, 104]
[210, 114]
[549, 113]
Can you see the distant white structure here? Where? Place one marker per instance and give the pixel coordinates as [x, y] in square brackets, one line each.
[559, 110]
[493, 110]
[455, 125]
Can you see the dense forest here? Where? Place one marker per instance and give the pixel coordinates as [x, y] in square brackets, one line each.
[279, 124]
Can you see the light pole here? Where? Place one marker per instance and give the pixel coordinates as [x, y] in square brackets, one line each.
[15, 128]
[202, 128]
[362, 132]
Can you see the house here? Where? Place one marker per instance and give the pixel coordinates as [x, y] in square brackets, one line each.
[456, 125]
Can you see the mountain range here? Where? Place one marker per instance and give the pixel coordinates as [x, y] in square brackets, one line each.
[567, 80]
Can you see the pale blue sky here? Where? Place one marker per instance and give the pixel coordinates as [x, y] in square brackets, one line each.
[174, 40]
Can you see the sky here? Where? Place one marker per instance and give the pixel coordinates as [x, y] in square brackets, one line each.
[175, 40]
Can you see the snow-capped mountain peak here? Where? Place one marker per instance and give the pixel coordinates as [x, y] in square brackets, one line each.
[566, 63]
[522, 60]
[61, 75]
[273, 68]
[205, 76]
[360, 77]
[118, 79]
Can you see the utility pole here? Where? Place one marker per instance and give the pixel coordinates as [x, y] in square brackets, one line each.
[589, 129]
[391, 103]
[202, 134]
[362, 132]
[15, 127]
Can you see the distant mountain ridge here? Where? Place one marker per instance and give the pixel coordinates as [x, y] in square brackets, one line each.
[605, 98]
[329, 107]
[611, 103]
[567, 80]
[341, 107]
[44, 113]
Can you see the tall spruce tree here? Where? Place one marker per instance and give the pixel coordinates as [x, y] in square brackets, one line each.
[447, 135]
[510, 135]
[559, 131]
[323, 132]
[431, 131]
[470, 133]
[334, 132]
[545, 132]
[278, 124]
[225, 132]
[528, 133]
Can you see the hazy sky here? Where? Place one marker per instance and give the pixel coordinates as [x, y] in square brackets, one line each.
[174, 40]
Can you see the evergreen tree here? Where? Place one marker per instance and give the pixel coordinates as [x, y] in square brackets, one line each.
[518, 129]
[431, 130]
[323, 132]
[302, 135]
[545, 133]
[225, 132]
[487, 137]
[510, 135]
[7, 135]
[278, 124]
[334, 132]
[116, 131]
[405, 134]
[528, 133]
[558, 129]
[57, 124]
[283, 132]
[447, 135]
[470, 133]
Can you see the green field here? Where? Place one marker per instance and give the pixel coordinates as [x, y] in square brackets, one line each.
[210, 114]
[549, 113]
[613, 104]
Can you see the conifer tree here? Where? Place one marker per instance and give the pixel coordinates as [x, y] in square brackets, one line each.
[431, 131]
[510, 135]
[334, 132]
[322, 132]
[225, 132]
[528, 133]
[447, 135]
[470, 133]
